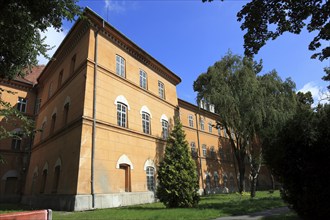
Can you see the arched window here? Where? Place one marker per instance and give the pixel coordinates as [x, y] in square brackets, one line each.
[43, 129]
[17, 139]
[150, 172]
[204, 150]
[208, 181]
[121, 114]
[57, 172]
[164, 129]
[146, 122]
[44, 178]
[212, 152]
[216, 179]
[193, 149]
[52, 126]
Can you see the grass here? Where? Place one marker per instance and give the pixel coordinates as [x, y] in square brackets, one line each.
[210, 207]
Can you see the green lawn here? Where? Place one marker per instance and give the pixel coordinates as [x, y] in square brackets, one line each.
[210, 207]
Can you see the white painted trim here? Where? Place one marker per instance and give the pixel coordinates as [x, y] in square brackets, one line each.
[149, 163]
[10, 173]
[145, 109]
[163, 117]
[122, 99]
[123, 159]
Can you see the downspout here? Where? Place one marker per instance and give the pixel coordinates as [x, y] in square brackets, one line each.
[94, 117]
[199, 152]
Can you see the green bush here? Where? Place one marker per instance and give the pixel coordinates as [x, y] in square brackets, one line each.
[177, 173]
[301, 159]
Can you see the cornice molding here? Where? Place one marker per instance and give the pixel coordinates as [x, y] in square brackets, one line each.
[121, 41]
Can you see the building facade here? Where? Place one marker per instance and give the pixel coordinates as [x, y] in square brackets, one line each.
[104, 108]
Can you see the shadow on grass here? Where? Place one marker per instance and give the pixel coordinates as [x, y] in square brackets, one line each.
[241, 206]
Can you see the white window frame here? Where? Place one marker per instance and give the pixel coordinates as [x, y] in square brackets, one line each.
[150, 173]
[146, 123]
[204, 150]
[120, 66]
[164, 129]
[210, 127]
[202, 124]
[191, 121]
[21, 104]
[161, 90]
[122, 114]
[143, 79]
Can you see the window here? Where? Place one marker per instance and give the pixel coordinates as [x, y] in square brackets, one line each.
[164, 129]
[161, 90]
[146, 123]
[38, 105]
[221, 154]
[143, 79]
[43, 181]
[50, 90]
[66, 113]
[204, 150]
[120, 66]
[212, 152]
[225, 132]
[56, 178]
[193, 149]
[202, 124]
[219, 131]
[16, 142]
[210, 127]
[216, 179]
[150, 171]
[21, 104]
[191, 121]
[121, 114]
[60, 77]
[208, 181]
[42, 131]
[52, 126]
[73, 64]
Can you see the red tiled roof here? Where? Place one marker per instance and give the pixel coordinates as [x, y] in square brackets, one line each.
[31, 77]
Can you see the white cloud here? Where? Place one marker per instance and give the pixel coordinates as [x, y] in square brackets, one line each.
[115, 6]
[53, 39]
[320, 94]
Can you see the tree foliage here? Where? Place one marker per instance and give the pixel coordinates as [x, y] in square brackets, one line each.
[11, 117]
[268, 19]
[177, 173]
[21, 22]
[300, 158]
[250, 107]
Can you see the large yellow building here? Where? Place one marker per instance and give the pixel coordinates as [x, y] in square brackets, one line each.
[104, 108]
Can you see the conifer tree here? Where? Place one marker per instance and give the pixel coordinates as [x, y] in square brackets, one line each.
[177, 173]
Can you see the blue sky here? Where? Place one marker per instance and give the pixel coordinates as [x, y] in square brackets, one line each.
[188, 36]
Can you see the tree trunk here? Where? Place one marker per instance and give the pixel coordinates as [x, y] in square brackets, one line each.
[241, 168]
[255, 168]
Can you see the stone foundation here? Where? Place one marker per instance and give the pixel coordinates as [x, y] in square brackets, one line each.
[84, 202]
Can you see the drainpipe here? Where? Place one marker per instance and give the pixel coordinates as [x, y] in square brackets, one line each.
[94, 117]
[199, 152]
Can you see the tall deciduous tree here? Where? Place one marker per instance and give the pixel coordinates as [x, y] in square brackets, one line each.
[268, 19]
[177, 173]
[21, 22]
[249, 106]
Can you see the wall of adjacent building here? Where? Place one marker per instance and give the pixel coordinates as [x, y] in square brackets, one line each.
[16, 157]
